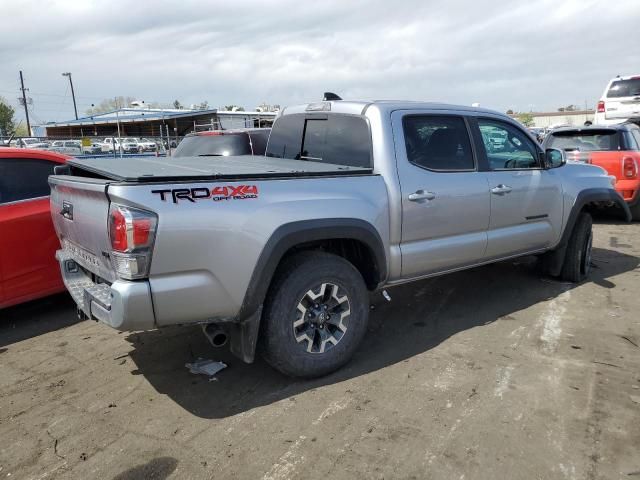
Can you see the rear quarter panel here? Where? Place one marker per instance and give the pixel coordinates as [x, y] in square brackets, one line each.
[206, 251]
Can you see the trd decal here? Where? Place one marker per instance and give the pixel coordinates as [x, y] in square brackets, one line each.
[217, 194]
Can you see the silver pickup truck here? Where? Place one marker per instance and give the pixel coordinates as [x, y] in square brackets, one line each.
[279, 253]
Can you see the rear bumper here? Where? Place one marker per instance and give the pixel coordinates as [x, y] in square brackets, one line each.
[122, 305]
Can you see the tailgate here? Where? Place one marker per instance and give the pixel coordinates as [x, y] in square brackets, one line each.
[80, 213]
[622, 108]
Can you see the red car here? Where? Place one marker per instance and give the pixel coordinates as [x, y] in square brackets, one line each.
[28, 268]
[616, 148]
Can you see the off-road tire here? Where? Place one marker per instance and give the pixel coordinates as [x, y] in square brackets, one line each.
[280, 342]
[577, 260]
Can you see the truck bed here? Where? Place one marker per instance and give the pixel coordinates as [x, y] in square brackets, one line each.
[158, 169]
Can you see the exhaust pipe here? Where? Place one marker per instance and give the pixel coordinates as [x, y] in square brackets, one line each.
[217, 336]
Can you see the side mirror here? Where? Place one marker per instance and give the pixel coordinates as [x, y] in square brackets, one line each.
[554, 158]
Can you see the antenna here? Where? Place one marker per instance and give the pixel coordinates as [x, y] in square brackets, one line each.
[329, 96]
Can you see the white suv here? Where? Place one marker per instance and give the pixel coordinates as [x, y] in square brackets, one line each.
[620, 101]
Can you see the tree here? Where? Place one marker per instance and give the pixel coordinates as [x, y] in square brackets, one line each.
[110, 104]
[509, 112]
[7, 125]
[526, 119]
[21, 130]
[204, 105]
[177, 105]
[233, 108]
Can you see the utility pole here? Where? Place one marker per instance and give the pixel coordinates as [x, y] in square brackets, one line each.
[24, 102]
[73, 95]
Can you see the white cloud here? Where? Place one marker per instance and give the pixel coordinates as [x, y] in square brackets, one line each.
[501, 53]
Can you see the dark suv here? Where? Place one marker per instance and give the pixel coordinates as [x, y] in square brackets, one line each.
[223, 143]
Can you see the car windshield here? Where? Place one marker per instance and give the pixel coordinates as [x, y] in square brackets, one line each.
[214, 146]
[624, 88]
[130, 140]
[593, 141]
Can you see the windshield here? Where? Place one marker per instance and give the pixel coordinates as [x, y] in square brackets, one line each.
[595, 141]
[624, 88]
[214, 146]
[130, 140]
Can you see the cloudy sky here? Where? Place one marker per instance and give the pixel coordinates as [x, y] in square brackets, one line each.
[520, 54]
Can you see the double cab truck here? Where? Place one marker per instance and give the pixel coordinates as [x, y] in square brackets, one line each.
[279, 253]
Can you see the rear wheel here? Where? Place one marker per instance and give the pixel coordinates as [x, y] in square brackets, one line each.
[315, 315]
[577, 261]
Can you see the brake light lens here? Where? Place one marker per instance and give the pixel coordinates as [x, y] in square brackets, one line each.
[629, 167]
[600, 106]
[132, 233]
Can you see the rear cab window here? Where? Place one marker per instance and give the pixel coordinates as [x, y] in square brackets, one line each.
[337, 139]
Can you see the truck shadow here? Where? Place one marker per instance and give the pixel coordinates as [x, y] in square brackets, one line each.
[36, 318]
[420, 316]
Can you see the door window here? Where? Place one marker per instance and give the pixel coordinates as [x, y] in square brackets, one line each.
[22, 179]
[507, 147]
[438, 142]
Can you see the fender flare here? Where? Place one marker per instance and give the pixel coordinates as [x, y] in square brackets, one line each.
[585, 197]
[284, 238]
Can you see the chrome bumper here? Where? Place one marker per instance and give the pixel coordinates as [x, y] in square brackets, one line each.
[122, 305]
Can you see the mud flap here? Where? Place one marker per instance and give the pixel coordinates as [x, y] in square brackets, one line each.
[244, 337]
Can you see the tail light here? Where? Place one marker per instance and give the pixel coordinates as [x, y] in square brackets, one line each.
[600, 106]
[132, 233]
[629, 167]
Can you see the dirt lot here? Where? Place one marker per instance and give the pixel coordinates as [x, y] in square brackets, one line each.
[490, 373]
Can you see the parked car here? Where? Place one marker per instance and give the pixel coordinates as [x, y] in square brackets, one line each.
[619, 102]
[28, 268]
[93, 149]
[222, 143]
[284, 249]
[146, 145]
[124, 145]
[68, 147]
[29, 143]
[616, 148]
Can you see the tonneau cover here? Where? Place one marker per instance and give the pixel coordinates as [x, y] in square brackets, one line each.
[155, 169]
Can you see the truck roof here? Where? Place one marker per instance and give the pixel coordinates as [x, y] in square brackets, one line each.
[359, 107]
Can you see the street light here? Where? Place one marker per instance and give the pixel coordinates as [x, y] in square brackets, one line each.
[73, 95]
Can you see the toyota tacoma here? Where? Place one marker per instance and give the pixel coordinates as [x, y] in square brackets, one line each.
[279, 253]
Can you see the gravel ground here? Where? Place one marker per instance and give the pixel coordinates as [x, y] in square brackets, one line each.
[490, 373]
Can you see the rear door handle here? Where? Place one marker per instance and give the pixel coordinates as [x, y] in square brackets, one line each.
[421, 195]
[501, 189]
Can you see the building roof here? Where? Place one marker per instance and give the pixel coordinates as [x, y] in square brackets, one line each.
[131, 115]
